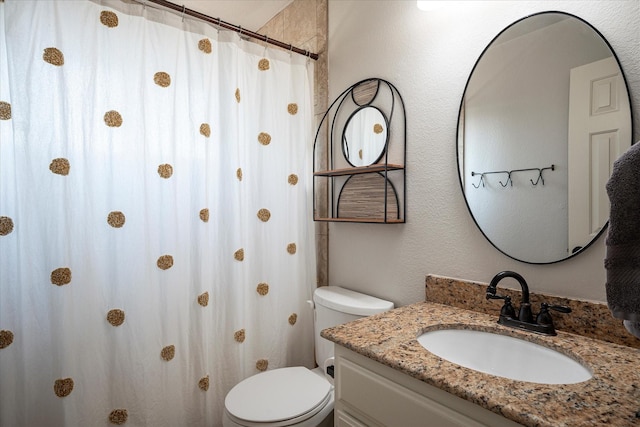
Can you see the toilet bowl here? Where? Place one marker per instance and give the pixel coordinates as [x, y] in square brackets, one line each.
[298, 396]
[294, 396]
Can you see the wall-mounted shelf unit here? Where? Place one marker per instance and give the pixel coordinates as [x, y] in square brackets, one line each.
[360, 156]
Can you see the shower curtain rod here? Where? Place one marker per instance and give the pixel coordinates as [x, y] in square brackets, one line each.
[238, 29]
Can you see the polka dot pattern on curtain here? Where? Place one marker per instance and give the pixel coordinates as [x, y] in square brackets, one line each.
[122, 225]
[61, 276]
[162, 79]
[53, 56]
[118, 416]
[5, 110]
[113, 119]
[6, 225]
[6, 338]
[165, 262]
[115, 317]
[168, 353]
[205, 45]
[262, 288]
[116, 219]
[203, 384]
[63, 387]
[205, 130]
[60, 166]
[264, 138]
[263, 64]
[203, 299]
[108, 19]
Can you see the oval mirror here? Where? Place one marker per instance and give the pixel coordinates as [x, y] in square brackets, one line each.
[544, 114]
[365, 136]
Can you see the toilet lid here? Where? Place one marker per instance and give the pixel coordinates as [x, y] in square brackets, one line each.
[277, 395]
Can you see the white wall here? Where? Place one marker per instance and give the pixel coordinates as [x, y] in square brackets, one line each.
[428, 56]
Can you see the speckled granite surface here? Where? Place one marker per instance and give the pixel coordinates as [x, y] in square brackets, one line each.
[586, 318]
[611, 397]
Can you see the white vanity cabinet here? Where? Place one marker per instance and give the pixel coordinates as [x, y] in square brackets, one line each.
[369, 393]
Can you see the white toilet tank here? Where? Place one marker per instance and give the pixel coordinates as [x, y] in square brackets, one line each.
[334, 306]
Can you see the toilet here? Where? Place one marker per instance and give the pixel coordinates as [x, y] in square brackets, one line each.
[298, 396]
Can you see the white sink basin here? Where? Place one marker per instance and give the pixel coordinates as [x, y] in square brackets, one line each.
[504, 356]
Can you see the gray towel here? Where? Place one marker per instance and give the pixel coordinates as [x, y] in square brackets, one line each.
[622, 261]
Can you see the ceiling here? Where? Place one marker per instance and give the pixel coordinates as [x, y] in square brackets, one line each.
[249, 14]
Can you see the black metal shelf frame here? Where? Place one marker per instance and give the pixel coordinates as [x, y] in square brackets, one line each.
[345, 105]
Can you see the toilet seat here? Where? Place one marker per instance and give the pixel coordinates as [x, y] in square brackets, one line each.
[279, 397]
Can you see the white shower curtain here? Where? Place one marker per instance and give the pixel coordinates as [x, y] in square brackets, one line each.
[156, 242]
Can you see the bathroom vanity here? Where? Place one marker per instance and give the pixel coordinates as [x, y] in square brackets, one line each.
[369, 393]
[385, 377]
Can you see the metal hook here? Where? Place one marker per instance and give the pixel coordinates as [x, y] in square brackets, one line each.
[540, 178]
[479, 182]
[509, 180]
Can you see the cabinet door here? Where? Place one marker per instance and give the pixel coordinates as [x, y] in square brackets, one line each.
[376, 395]
[391, 404]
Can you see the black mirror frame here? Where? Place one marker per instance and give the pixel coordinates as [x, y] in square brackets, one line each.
[345, 144]
[460, 178]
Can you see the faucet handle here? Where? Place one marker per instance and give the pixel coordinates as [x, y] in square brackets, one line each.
[544, 317]
[560, 308]
[507, 309]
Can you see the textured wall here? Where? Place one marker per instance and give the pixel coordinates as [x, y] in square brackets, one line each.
[304, 24]
[428, 56]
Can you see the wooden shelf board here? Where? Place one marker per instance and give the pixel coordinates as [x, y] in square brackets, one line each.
[364, 220]
[358, 170]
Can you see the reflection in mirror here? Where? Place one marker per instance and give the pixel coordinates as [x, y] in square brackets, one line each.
[365, 136]
[548, 90]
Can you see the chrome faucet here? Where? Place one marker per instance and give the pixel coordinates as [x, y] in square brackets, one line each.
[543, 323]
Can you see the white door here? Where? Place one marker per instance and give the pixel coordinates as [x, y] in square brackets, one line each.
[599, 132]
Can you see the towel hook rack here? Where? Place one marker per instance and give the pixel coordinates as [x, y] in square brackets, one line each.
[509, 180]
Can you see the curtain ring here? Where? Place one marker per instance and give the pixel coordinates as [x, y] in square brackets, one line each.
[183, 9]
[219, 25]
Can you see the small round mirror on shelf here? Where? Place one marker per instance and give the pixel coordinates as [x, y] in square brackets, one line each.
[544, 115]
[365, 136]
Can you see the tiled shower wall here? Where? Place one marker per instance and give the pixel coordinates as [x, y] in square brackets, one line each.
[304, 24]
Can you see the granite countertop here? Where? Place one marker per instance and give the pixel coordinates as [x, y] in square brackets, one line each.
[611, 397]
